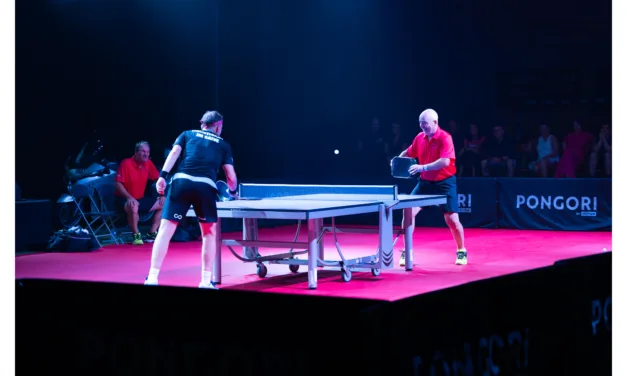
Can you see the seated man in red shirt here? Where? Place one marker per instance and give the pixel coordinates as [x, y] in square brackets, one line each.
[433, 149]
[131, 180]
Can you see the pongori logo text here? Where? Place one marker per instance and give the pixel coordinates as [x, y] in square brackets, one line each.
[584, 205]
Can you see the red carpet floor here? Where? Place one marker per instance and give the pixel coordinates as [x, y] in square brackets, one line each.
[491, 253]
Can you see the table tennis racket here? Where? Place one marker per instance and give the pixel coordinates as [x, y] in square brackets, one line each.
[400, 167]
[223, 191]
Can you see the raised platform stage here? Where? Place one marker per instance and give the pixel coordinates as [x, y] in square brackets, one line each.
[528, 303]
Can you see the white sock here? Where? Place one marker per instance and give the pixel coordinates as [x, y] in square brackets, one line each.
[206, 278]
[153, 275]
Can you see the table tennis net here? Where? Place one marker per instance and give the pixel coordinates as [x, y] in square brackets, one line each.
[320, 192]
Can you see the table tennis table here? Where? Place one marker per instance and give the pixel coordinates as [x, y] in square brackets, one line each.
[314, 204]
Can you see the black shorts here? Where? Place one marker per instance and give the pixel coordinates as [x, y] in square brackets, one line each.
[182, 193]
[145, 204]
[446, 187]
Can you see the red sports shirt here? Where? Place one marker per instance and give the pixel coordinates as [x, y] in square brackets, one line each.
[135, 176]
[428, 151]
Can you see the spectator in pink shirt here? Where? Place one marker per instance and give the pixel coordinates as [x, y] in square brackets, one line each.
[576, 146]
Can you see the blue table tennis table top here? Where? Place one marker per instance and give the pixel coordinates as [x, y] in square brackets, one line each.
[313, 206]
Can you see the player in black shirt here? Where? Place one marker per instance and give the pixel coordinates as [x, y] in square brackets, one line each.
[202, 153]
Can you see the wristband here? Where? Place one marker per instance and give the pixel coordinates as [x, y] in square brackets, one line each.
[163, 174]
[424, 168]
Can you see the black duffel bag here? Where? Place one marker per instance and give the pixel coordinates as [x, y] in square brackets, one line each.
[75, 239]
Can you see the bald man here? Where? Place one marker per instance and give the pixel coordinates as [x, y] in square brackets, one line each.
[433, 149]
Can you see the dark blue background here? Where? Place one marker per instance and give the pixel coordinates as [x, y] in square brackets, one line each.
[294, 79]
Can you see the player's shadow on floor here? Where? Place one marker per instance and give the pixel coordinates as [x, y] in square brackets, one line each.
[299, 280]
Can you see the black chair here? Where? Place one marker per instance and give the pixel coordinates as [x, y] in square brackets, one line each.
[94, 214]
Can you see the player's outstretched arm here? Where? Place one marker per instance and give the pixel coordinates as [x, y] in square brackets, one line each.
[231, 177]
[167, 167]
[171, 159]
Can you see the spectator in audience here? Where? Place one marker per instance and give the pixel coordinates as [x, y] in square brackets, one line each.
[370, 149]
[527, 150]
[458, 138]
[131, 180]
[372, 140]
[395, 143]
[603, 146]
[499, 153]
[576, 146]
[547, 152]
[470, 155]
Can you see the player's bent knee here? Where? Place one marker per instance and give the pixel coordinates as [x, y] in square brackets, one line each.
[451, 218]
[208, 228]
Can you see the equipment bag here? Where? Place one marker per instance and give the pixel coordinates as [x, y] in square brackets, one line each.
[75, 239]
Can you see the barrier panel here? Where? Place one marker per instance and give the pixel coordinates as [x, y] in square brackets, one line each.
[87, 328]
[477, 201]
[583, 295]
[520, 203]
[555, 204]
[554, 320]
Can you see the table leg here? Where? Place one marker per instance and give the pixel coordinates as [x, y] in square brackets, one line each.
[319, 226]
[313, 252]
[217, 260]
[386, 229]
[409, 230]
[250, 232]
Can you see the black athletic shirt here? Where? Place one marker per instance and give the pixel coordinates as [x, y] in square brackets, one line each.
[203, 153]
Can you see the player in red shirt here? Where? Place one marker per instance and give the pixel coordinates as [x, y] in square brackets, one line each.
[433, 149]
[131, 179]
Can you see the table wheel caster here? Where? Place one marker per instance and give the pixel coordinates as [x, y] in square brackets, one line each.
[375, 272]
[262, 270]
[294, 268]
[346, 275]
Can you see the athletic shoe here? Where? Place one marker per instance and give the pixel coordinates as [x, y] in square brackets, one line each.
[137, 239]
[150, 237]
[209, 285]
[462, 257]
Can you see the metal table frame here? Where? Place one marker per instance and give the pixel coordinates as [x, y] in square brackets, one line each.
[314, 247]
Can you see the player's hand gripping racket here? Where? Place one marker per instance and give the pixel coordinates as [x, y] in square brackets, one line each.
[224, 195]
[223, 191]
[400, 167]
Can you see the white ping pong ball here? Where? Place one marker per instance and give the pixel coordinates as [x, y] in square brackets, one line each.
[337, 151]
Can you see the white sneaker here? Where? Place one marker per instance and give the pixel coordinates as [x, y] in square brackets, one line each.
[146, 283]
[209, 285]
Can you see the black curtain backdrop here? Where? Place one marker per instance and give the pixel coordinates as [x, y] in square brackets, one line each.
[294, 79]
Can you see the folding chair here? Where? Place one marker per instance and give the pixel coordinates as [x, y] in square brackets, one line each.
[97, 220]
[106, 195]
